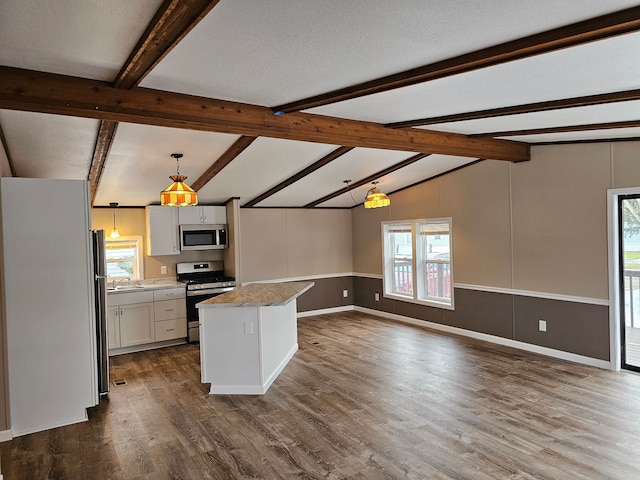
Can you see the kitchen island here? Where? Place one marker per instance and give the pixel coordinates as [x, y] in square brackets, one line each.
[248, 335]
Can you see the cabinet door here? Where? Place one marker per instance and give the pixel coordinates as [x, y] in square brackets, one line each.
[207, 214]
[190, 215]
[136, 324]
[113, 327]
[213, 215]
[162, 230]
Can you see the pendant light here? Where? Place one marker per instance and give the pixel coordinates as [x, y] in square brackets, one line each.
[178, 194]
[114, 231]
[375, 198]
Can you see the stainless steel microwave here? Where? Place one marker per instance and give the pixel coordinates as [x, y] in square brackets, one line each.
[203, 237]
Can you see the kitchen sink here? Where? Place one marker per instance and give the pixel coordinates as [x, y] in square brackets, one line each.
[121, 288]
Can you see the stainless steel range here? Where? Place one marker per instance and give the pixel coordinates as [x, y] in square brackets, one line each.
[203, 280]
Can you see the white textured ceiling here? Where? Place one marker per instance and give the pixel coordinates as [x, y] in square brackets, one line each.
[270, 53]
[82, 38]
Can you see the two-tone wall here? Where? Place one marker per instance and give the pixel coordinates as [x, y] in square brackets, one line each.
[529, 243]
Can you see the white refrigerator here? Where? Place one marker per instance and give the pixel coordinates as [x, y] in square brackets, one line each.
[49, 303]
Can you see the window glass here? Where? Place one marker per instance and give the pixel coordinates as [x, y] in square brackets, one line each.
[418, 261]
[123, 258]
[400, 237]
[435, 249]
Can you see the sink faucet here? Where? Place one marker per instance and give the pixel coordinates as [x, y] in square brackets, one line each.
[122, 280]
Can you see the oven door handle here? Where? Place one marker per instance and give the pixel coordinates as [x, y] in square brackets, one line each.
[211, 291]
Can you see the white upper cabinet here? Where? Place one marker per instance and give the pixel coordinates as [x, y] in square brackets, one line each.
[202, 215]
[162, 230]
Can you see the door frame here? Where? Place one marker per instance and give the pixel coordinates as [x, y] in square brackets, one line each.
[613, 226]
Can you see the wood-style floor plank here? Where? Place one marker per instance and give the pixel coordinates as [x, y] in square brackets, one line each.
[363, 398]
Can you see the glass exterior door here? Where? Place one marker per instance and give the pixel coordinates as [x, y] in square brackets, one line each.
[629, 211]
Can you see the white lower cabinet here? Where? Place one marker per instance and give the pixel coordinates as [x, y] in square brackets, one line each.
[143, 317]
[136, 324]
[113, 326]
[130, 319]
[170, 313]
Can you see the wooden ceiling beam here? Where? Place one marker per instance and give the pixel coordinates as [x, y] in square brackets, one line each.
[585, 101]
[173, 20]
[63, 95]
[171, 23]
[563, 129]
[106, 133]
[337, 153]
[606, 26]
[368, 179]
[225, 159]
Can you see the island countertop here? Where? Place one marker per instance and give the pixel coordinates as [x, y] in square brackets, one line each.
[259, 295]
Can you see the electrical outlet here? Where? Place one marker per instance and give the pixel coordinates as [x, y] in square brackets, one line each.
[376, 297]
[345, 293]
[542, 325]
[248, 327]
[163, 270]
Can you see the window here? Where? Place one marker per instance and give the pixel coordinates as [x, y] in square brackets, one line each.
[124, 258]
[418, 263]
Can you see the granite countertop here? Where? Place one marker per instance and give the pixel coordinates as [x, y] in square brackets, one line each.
[259, 295]
[142, 285]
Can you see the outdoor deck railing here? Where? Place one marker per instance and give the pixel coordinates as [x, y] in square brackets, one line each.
[437, 278]
[631, 284]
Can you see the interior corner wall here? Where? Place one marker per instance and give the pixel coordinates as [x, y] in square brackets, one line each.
[5, 418]
[530, 242]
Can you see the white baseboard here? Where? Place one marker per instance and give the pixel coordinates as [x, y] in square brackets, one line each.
[5, 435]
[311, 313]
[549, 352]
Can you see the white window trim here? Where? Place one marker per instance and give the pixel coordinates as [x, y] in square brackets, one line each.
[140, 261]
[387, 273]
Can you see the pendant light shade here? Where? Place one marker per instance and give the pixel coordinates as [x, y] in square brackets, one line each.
[375, 198]
[178, 194]
[114, 231]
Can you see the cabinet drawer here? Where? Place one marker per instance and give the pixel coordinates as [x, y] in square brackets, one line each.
[170, 329]
[168, 293]
[167, 309]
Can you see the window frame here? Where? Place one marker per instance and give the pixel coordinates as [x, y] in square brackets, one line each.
[419, 263]
[138, 260]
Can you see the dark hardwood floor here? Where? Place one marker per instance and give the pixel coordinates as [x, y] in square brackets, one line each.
[363, 398]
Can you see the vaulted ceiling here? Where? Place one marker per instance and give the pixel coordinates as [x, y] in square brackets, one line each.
[279, 102]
